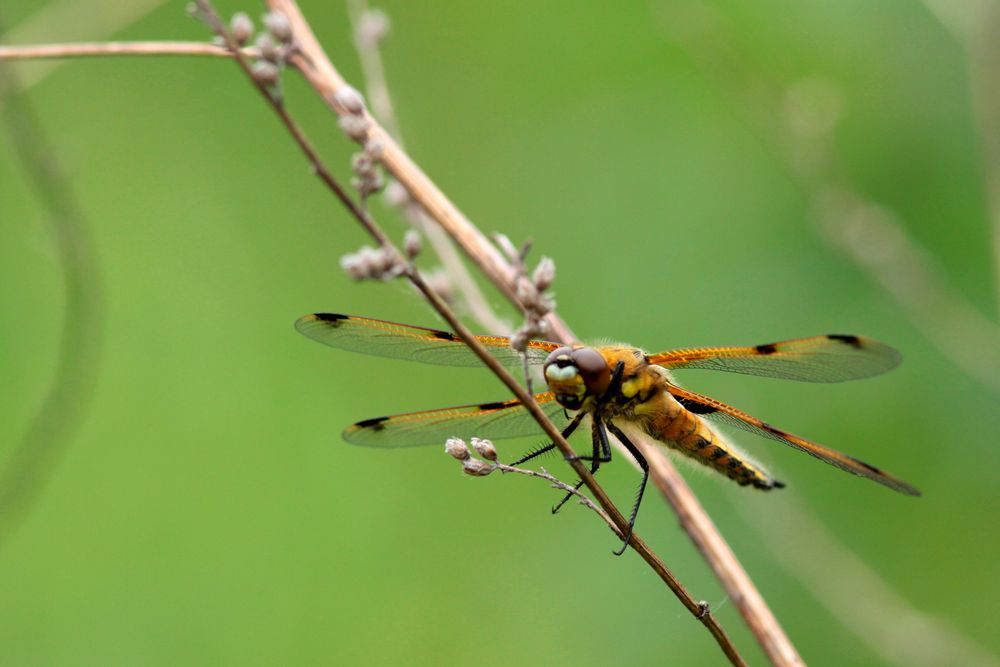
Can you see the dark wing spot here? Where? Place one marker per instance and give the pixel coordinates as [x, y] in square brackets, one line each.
[496, 405]
[777, 484]
[866, 466]
[769, 348]
[375, 424]
[333, 318]
[847, 339]
[694, 406]
[772, 429]
[445, 335]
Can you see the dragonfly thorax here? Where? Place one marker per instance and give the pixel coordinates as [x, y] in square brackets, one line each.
[573, 374]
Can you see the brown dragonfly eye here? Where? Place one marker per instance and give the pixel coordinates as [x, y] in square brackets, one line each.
[593, 369]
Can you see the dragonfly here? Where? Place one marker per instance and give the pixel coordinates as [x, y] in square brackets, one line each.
[619, 390]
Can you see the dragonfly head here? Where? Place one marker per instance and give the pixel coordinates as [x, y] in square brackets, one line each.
[573, 374]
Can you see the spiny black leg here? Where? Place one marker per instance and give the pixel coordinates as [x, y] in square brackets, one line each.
[568, 431]
[641, 460]
[601, 454]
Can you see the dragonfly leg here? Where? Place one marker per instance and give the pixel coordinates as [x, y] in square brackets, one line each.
[641, 460]
[599, 436]
[568, 431]
[601, 454]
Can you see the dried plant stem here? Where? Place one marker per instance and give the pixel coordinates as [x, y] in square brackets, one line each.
[750, 604]
[556, 483]
[324, 77]
[381, 105]
[317, 68]
[698, 609]
[86, 49]
[321, 74]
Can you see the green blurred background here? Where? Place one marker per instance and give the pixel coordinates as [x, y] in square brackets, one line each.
[207, 511]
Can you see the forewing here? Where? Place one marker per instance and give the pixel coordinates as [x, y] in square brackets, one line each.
[726, 415]
[506, 419]
[401, 341]
[830, 358]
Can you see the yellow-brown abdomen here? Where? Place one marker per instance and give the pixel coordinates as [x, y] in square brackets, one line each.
[680, 429]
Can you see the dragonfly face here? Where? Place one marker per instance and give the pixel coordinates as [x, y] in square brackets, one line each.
[574, 374]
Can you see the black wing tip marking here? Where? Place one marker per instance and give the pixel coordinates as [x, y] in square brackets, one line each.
[888, 480]
[328, 317]
[777, 484]
[847, 339]
[332, 319]
[767, 348]
[374, 424]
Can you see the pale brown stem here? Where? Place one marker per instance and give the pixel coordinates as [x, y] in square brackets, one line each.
[698, 609]
[321, 73]
[381, 104]
[326, 80]
[722, 560]
[85, 49]
[556, 483]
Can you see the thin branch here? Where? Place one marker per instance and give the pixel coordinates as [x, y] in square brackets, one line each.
[326, 80]
[74, 21]
[103, 49]
[556, 483]
[366, 43]
[873, 237]
[320, 72]
[33, 459]
[719, 556]
[698, 609]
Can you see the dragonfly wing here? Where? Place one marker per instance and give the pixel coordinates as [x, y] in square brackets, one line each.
[726, 415]
[830, 358]
[505, 419]
[401, 341]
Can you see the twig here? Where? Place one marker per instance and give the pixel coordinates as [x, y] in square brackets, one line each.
[70, 392]
[88, 49]
[556, 483]
[696, 608]
[326, 80]
[321, 73]
[755, 611]
[870, 235]
[366, 43]
[74, 21]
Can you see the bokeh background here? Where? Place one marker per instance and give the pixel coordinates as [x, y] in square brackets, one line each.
[702, 171]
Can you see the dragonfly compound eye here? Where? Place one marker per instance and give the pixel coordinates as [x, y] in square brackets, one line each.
[593, 369]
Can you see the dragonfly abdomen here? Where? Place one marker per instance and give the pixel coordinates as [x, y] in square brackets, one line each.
[684, 431]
